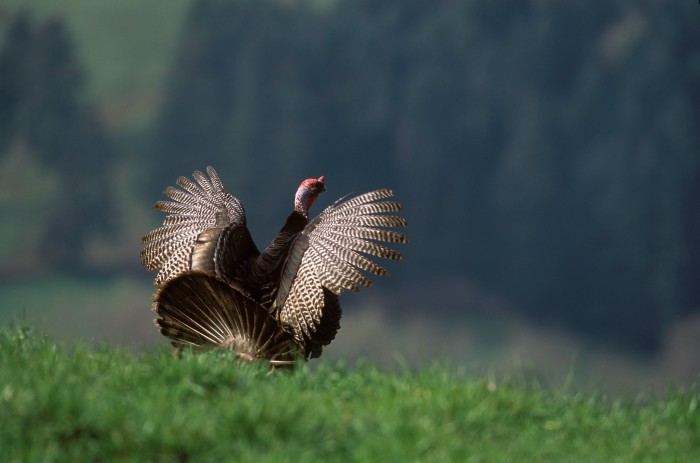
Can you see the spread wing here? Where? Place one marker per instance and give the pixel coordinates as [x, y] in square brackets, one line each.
[197, 215]
[333, 254]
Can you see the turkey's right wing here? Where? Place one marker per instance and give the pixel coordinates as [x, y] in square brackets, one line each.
[188, 238]
[331, 255]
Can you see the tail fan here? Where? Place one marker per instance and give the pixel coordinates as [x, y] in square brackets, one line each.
[196, 309]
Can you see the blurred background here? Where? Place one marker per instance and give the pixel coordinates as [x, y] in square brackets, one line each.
[547, 154]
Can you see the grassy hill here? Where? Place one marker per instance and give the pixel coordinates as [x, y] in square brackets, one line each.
[75, 403]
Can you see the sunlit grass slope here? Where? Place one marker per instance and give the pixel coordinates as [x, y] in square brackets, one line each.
[74, 403]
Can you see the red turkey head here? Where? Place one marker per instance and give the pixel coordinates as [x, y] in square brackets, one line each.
[307, 193]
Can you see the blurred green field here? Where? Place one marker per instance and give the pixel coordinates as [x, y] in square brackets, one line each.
[125, 47]
[98, 311]
[76, 403]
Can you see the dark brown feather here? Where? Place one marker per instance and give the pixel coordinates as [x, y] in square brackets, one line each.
[200, 310]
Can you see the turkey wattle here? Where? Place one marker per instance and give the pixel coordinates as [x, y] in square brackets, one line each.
[216, 288]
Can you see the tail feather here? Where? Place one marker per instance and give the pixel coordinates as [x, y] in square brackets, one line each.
[197, 309]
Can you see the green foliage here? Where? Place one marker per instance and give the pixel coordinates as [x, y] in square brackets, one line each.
[73, 403]
[124, 70]
[44, 120]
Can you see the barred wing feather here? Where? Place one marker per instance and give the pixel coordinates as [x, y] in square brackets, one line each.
[199, 210]
[339, 244]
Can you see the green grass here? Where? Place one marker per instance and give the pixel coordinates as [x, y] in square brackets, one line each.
[76, 403]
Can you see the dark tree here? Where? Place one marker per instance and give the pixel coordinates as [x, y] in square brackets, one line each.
[43, 109]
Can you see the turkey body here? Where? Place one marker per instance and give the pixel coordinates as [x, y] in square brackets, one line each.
[215, 287]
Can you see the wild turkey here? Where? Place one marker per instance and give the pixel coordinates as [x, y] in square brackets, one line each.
[216, 288]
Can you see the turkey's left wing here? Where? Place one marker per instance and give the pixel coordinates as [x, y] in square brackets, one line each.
[334, 252]
[196, 217]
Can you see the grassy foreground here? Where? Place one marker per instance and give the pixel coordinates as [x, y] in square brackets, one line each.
[74, 403]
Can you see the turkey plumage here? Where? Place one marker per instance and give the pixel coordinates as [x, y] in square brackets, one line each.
[204, 246]
[199, 310]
